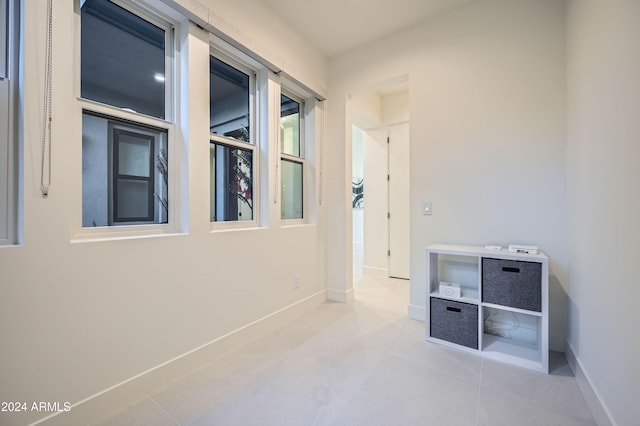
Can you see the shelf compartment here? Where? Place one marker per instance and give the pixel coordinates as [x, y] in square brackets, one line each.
[513, 333]
[454, 321]
[458, 269]
[512, 283]
[517, 353]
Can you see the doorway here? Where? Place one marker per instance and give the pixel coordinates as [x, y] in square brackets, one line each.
[380, 143]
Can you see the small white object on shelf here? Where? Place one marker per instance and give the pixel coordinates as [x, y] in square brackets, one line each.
[517, 248]
[449, 289]
[493, 247]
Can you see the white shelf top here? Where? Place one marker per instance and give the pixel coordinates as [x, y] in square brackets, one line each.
[468, 296]
[461, 250]
[511, 309]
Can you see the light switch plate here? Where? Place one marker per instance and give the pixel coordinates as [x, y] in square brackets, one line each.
[427, 209]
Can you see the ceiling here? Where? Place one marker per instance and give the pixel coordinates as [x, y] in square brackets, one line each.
[335, 26]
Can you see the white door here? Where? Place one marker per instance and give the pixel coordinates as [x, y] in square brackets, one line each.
[399, 201]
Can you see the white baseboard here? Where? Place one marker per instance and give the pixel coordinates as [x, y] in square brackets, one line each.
[599, 409]
[417, 312]
[110, 400]
[375, 272]
[340, 296]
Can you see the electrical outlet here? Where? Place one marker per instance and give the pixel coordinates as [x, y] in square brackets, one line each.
[296, 281]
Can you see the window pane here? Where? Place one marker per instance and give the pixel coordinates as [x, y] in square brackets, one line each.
[231, 183]
[132, 202]
[291, 189]
[134, 155]
[4, 39]
[289, 126]
[117, 188]
[228, 101]
[122, 59]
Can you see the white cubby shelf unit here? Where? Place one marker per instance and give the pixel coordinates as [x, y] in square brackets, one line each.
[502, 312]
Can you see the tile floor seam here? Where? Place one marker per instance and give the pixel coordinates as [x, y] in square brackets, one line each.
[163, 410]
[533, 401]
[479, 390]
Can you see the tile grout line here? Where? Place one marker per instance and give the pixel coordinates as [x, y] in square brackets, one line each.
[163, 410]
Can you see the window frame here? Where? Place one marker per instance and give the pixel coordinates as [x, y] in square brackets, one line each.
[249, 68]
[301, 159]
[10, 13]
[170, 22]
[5, 38]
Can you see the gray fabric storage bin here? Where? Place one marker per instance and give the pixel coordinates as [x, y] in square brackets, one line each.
[512, 283]
[454, 322]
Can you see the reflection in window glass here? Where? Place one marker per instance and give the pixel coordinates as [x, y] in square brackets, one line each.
[124, 173]
[122, 59]
[291, 189]
[231, 183]
[229, 101]
[133, 184]
[134, 154]
[289, 126]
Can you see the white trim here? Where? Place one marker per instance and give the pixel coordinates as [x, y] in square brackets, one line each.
[599, 409]
[417, 312]
[341, 296]
[375, 272]
[113, 398]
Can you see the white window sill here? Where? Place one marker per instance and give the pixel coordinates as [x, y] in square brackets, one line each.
[113, 234]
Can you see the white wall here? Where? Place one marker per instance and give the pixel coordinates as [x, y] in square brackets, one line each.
[603, 154]
[78, 318]
[258, 28]
[486, 84]
[395, 107]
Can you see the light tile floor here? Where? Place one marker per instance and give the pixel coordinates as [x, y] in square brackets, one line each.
[361, 364]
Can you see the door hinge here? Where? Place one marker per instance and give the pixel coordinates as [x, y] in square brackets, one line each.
[388, 178]
[388, 215]
[388, 139]
[388, 252]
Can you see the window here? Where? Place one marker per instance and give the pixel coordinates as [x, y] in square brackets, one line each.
[126, 84]
[123, 59]
[232, 145]
[8, 119]
[292, 157]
